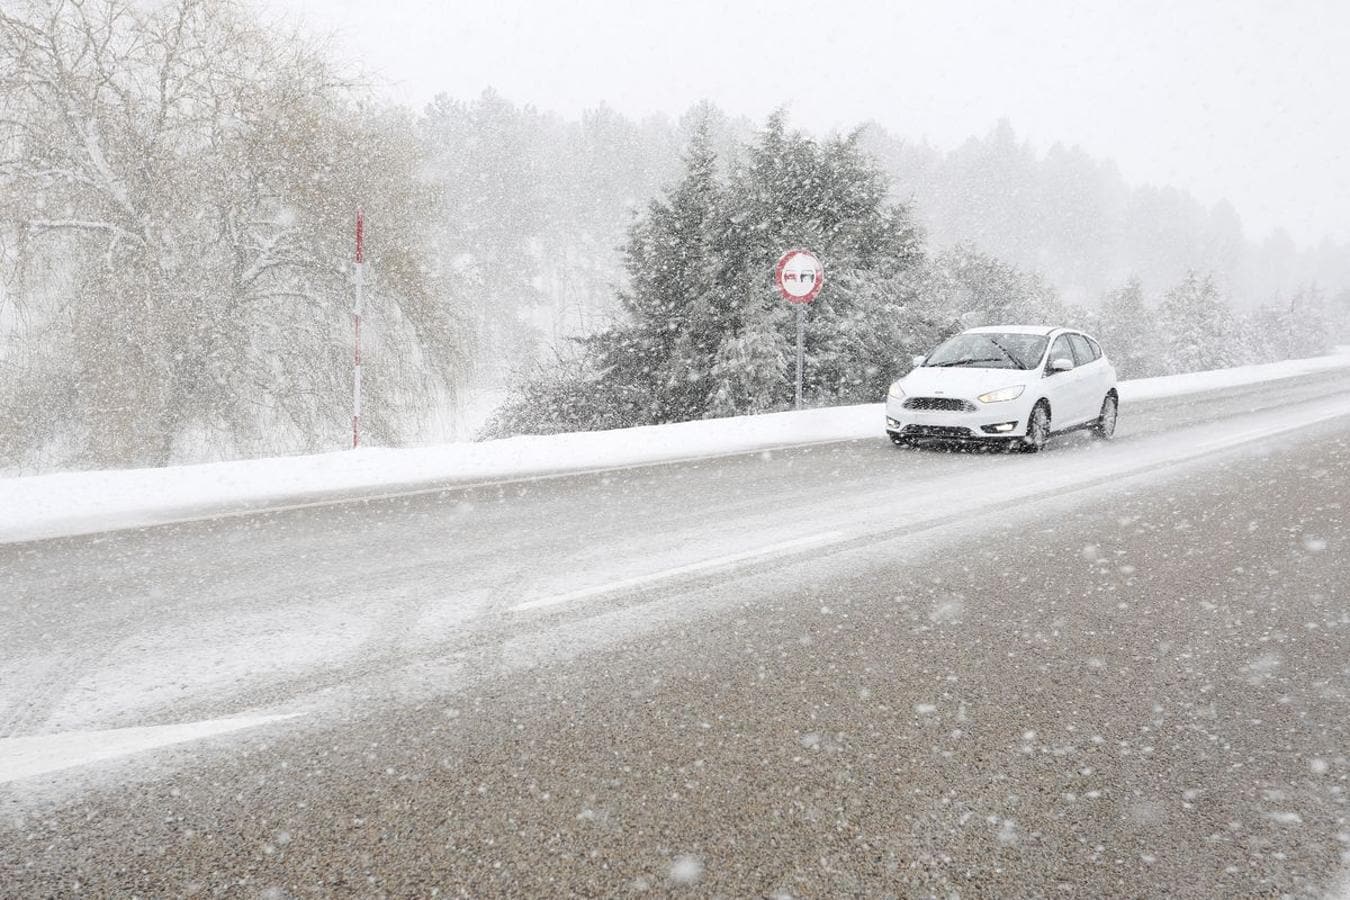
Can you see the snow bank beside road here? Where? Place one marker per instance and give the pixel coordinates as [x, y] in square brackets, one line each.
[1218, 379]
[81, 502]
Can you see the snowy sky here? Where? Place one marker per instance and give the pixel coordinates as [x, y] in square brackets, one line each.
[1244, 99]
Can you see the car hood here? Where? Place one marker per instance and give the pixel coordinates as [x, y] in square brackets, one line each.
[961, 382]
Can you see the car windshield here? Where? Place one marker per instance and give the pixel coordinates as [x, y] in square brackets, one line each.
[990, 350]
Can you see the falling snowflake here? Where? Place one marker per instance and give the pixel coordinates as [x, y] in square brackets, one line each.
[686, 870]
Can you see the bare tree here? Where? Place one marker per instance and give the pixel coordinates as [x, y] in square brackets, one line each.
[177, 187]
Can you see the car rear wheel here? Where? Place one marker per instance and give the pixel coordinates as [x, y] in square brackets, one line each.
[1038, 429]
[1106, 422]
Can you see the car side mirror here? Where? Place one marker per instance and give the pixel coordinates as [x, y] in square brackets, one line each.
[918, 361]
[1060, 364]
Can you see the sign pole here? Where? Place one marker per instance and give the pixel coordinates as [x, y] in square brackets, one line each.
[799, 277]
[356, 323]
[801, 337]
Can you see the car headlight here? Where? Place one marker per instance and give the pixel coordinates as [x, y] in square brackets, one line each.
[895, 392]
[1007, 393]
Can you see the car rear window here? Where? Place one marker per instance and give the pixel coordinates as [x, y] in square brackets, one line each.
[1082, 353]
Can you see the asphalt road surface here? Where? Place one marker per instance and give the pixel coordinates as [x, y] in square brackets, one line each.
[849, 669]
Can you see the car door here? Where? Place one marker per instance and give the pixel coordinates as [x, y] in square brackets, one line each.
[1064, 389]
[1092, 379]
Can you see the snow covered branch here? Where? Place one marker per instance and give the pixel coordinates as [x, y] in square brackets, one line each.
[81, 225]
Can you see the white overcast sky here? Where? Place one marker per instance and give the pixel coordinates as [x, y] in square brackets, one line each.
[1227, 98]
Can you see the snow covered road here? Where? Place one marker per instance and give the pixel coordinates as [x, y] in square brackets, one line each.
[306, 602]
[838, 610]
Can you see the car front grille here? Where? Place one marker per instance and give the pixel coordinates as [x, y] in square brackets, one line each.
[942, 404]
[936, 431]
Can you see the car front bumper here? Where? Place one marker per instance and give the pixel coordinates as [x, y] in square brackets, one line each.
[988, 422]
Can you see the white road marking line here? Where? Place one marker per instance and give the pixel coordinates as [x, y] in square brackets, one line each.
[24, 757]
[1252, 435]
[717, 562]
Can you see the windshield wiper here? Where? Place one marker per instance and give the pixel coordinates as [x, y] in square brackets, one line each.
[967, 361]
[1004, 350]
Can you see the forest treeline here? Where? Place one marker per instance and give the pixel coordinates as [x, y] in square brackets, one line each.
[177, 187]
[705, 334]
[1076, 221]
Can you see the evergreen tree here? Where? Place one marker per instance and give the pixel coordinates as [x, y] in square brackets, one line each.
[1293, 328]
[663, 354]
[980, 290]
[1309, 326]
[793, 191]
[1338, 317]
[706, 333]
[1129, 333]
[1198, 329]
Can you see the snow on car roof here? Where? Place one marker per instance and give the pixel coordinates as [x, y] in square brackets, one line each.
[1012, 329]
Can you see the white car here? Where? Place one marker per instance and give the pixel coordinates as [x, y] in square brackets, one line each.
[1015, 384]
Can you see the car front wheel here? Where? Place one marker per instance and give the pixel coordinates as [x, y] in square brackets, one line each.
[1038, 429]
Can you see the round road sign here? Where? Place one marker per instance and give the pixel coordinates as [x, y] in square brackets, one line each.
[799, 276]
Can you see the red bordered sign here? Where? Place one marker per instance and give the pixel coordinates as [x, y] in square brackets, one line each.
[799, 276]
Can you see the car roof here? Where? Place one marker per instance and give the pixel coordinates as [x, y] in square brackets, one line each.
[1013, 329]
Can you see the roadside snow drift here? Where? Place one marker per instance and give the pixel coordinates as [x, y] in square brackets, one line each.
[43, 506]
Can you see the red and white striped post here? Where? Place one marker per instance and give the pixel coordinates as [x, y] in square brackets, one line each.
[356, 322]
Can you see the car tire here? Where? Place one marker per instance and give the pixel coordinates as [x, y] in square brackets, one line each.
[1038, 428]
[1105, 428]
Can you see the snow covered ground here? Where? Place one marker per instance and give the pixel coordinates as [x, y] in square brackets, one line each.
[81, 502]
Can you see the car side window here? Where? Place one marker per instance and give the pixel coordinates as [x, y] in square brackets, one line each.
[1060, 349]
[1096, 348]
[1082, 353]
